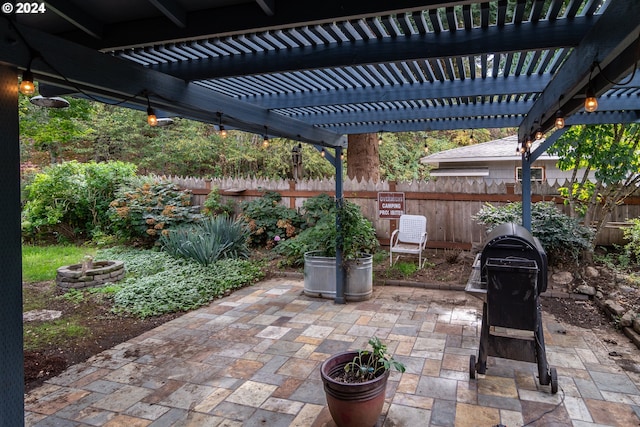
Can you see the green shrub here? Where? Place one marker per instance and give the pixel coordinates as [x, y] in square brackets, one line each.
[207, 241]
[157, 283]
[214, 206]
[269, 221]
[560, 235]
[146, 208]
[632, 235]
[72, 199]
[359, 236]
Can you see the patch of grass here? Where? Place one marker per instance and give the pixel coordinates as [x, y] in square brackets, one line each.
[406, 269]
[39, 263]
[74, 296]
[380, 257]
[56, 332]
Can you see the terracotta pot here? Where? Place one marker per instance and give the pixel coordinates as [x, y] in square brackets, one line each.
[352, 404]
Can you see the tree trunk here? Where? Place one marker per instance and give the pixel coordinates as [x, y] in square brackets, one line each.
[363, 158]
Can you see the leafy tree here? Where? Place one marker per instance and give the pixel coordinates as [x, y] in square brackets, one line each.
[49, 129]
[611, 152]
[72, 198]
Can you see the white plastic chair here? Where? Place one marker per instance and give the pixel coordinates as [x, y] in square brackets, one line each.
[409, 238]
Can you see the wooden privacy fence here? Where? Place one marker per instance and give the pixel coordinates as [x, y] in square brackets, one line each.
[449, 203]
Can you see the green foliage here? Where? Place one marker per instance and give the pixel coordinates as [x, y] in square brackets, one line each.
[72, 198]
[368, 365]
[559, 234]
[74, 296]
[612, 154]
[617, 260]
[269, 221]
[214, 206]
[632, 235]
[39, 263]
[157, 283]
[52, 129]
[406, 269]
[208, 241]
[358, 234]
[146, 208]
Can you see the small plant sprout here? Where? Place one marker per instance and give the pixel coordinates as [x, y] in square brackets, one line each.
[368, 365]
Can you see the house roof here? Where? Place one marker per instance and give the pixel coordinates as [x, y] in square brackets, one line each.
[315, 72]
[497, 150]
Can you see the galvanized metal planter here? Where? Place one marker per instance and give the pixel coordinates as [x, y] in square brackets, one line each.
[320, 277]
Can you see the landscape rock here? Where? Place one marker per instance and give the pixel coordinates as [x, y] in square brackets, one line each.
[586, 290]
[41, 315]
[627, 319]
[614, 308]
[562, 278]
[592, 272]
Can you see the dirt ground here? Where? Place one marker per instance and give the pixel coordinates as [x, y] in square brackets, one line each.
[108, 329]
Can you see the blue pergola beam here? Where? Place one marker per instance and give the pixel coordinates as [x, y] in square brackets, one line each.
[614, 32]
[511, 38]
[95, 72]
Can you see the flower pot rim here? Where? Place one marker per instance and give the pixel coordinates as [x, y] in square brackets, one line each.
[312, 254]
[351, 354]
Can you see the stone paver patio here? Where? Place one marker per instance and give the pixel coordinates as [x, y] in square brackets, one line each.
[252, 359]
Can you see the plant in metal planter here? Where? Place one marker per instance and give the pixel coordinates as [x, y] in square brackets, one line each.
[355, 383]
[315, 247]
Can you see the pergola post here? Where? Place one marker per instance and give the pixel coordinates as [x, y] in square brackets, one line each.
[11, 352]
[527, 161]
[340, 273]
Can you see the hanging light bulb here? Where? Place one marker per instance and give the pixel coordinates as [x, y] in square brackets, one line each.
[529, 143]
[265, 141]
[151, 115]
[471, 138]
[221, 129]
[559, 123]
[539, 134]
[426, 148]
[27, 87]
[322, 153]
[379, 138]
[590, 102]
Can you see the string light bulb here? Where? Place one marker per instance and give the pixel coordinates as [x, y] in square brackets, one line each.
[539, 134]
[151, 115]
[27, 87]
[322, 152]
[380, 138]
[471, 138]
[590, 102]
[426, 148]
[559, 123]
[221, 129]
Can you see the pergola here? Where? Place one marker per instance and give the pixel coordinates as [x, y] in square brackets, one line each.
[314, 73]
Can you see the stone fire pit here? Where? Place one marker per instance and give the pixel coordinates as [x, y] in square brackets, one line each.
[89, 275]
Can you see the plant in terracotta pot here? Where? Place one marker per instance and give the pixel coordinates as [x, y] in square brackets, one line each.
[355, 383]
